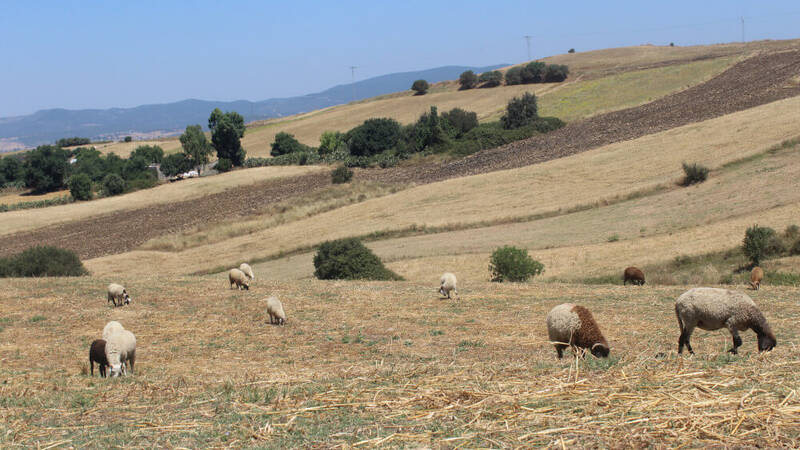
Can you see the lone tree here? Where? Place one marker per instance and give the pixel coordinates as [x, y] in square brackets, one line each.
[227, 130]
[286, 143]
[468, 79]
[420, 87]
[520, 111]
[195, 145]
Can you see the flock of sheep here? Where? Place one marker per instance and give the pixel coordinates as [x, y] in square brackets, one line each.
[568, 325]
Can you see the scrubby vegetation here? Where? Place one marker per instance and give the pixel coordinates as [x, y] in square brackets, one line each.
[80, 186]
[341, 174]
[694, 173]
[762, 242]
[536, 72]
[349, 259]
[72, 141]
[520, 111]
[513, 264]
[420, 87]
[468, 79]
[42, 261]
[286, 143]
[490, 79]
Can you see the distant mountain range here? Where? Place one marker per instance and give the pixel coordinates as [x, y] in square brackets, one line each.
[46, 126]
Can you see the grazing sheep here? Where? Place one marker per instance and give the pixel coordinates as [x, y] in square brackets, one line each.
[118, 293]
[247, 270]
[713, 308]
[634, 275]
[111, 328]
[121, 349]
[756, 276]
[573, 325]
[447, 283]
[237, 277]
[97, 354]
[275, 311]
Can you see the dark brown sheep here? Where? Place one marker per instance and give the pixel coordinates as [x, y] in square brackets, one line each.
[97, 354]
[634, 275]
[573, 325]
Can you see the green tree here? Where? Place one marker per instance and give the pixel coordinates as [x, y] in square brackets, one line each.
[427, 131]
[285, 143]
[513, 264]
[520, 111]
[349, 259]
[113, 184]
[533, 72]
[555, 73]
[420, 87]
[151, 153]
[460, 121]
[373, 136]
[128, 139]
[227, 130]
[760, 243]
[468, 79]
[195, 145]
[80, 186]
[491, 79]
[331, 141]
[45, 168]
[11, 169]
[73, 141]
[174, 164]
[514, 76]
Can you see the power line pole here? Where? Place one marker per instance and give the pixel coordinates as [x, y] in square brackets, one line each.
[353, 84]
[528, 41]
[742, 18]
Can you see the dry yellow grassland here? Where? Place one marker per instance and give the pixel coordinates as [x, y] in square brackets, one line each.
[14, 196]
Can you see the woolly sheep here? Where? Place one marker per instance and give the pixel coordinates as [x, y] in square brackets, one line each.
[713, 308]
[573, 325]
[755, 277]
[447, 283]
[97, 354]
[118, 293]
[247, 270]
[634, 275]
[111, 328]
[275, 311]
[121, 349]
[237, 277]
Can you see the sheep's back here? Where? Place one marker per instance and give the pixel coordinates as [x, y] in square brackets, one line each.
[562, 323]
[711, 308]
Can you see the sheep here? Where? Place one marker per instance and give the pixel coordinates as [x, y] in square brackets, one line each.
[121, 349]
[111, 328]
[634, 275]
[714, 308]
[275, 311]
[117, 292]
[247, 270]
[237, 277]
[97, 354]
[573, 325]
[755, 277]
[447, 283]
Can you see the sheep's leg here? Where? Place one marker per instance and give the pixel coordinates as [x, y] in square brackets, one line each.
[560, 350]
[132, 360]
[737, 341]
[91, 367]
[686, 334]
[102, 370]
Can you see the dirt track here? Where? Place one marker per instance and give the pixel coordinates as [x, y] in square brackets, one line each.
[753, 82]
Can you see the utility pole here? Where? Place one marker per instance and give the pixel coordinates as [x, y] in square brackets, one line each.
[528, 41]
[742, 18]
[353, 84]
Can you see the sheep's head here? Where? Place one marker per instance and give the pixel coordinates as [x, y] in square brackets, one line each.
[441, 291]
[246, 285]
[600, 350]
[116, 369]
[766, 342]
[127, 298]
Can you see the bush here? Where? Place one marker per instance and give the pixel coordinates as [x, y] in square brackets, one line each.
[460, 121]
[373, 136]
[514, 76]
[285, 143]
[330, 142]
[491, 79]
[791, 232]
[42, 261]
[174, 164]
[128, 139]
[758, 243]
[80, 186]
[468, 79]
[145, 180]
[10, 169]
[427, 132]
[513, 264]
[341, 175]
[572, 50]
[45, 168]
[420, 87]
[520, 111]
[73, 141]
[795, 248]
[556, 73]
[150, 153]
[533, 72]
[695, 173]
[113, 184]
[223, 165]
[349, 259]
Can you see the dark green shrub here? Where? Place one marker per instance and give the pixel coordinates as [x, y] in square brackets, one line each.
[145, 180]
[795, 248]
[341, 175]
[150, 153]
[420, 87]
[80, 186]
[460, 121]
[285, 143]
[468, 79]
[513, 264]
[533, 72]
[514, 76]
[128, 139]
[113, 184]
[426, 132]
[758, 243]
[45, 168]
[373, 136]
[520, 111]
[791, 232]
[223, 165]
[11, 169]
[43, 261]
[555, 73]
[572, 50]
[73, 141]
[349, 259]
[491, 79]
[174, 164]
[695, 173]
[331, 141]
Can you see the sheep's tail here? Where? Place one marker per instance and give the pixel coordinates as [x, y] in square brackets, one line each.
[678, 315]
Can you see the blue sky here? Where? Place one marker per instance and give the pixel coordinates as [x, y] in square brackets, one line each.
[92, 54]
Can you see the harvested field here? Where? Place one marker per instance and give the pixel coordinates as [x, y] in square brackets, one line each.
[358, 365]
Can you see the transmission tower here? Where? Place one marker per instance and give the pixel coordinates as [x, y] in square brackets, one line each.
[528, 41]
[353, 84]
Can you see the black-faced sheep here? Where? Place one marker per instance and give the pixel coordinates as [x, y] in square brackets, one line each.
[121, 349]
[247, 270]
[713, 308]
[97, 354]
[634, 275]
[118, 293]
[447, 284]
[573, 325]
[275, 311]
[238, 278]
[755, 277]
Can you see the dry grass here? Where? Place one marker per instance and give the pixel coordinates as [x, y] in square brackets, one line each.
[16, 221]
[14, 196]
[358, 365]
[124, 149]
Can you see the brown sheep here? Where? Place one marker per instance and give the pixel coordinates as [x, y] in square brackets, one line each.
[573, 325]
[634, 275]
[755, 277]
[97, 354]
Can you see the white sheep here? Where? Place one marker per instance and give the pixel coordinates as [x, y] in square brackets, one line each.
[447, 283]
[573, 325]
[118, 293]
[237, 277]
[121, 349]
[713, 308]
[275, 311]
[111, 328]
[247, 270]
